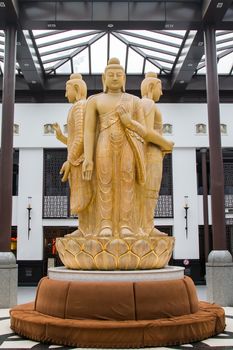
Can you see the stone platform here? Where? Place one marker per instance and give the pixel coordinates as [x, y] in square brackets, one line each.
[165, 274]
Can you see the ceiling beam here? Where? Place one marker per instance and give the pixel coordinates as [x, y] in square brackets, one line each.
[29, 61]
[133, 81]
[9, 13]
[188, 60]
[55, 87]
[121, 14]
[60, 15]
[193, 48]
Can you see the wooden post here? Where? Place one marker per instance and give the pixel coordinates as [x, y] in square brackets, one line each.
[216, 163]
[6, 159]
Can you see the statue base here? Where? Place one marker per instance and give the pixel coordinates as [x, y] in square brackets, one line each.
[111, 253]
[168, 273]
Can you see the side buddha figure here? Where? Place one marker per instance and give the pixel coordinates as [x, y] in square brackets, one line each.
[114, 146]
[80, 190]
[157, 147]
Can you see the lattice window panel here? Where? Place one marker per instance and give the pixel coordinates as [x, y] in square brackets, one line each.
[56, 193]
[166, 185]
[228, 177]
[165, 203]
[164, 207]
[55, 206]
[53, 160]
[228, 200]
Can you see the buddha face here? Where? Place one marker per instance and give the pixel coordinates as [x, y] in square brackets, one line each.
[114, 79]
[71, 93]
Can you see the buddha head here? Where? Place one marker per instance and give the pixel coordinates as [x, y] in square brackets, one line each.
[151, 86]
[114, 76]
[76, 88]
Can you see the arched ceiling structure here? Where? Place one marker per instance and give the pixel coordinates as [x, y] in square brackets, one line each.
[56, 38]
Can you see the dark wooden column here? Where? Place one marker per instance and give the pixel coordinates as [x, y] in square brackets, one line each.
[205, 202]
[216, 163]
[6, 159]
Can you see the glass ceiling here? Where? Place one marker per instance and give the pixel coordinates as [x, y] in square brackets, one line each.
[2, 44]
[87, 51]
[77, 50]
[224, 43]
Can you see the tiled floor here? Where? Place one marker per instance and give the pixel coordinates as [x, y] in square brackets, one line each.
[9, 340]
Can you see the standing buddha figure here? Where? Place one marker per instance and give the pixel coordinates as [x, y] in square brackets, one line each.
[114, 146]
[157, 147]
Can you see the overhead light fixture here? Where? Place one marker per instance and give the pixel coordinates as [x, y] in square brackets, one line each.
[2, 4]
[34, 81]
[219, 5]
[26, 64]
[51, 25]
[169, 25]
[190, 64]
[110, 25]
[181, 81]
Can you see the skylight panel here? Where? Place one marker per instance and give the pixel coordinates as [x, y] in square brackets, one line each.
[225, 64]
[63, 45]
[226, 36]
[202, 71]
[180, 33]
[135, 62]
[2, 42]
[59, 36]
[44, 32]
[149, 67]
[99, 55]
[160, 55]
[117, 49]
[162, 35]
[81, 62]
[49, 65]
[64, 69]
[56, 56]
[139, 41]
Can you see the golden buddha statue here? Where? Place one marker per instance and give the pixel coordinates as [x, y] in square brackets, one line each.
[114, 150]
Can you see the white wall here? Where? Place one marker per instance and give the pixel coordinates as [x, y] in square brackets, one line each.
[32, 117]
[185, 184]
[30, 185]
[183, 117]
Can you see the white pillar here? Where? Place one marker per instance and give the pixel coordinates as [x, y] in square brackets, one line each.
[30, 185]
[185, 184]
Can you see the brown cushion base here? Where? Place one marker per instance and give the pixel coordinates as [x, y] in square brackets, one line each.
[208, 321]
